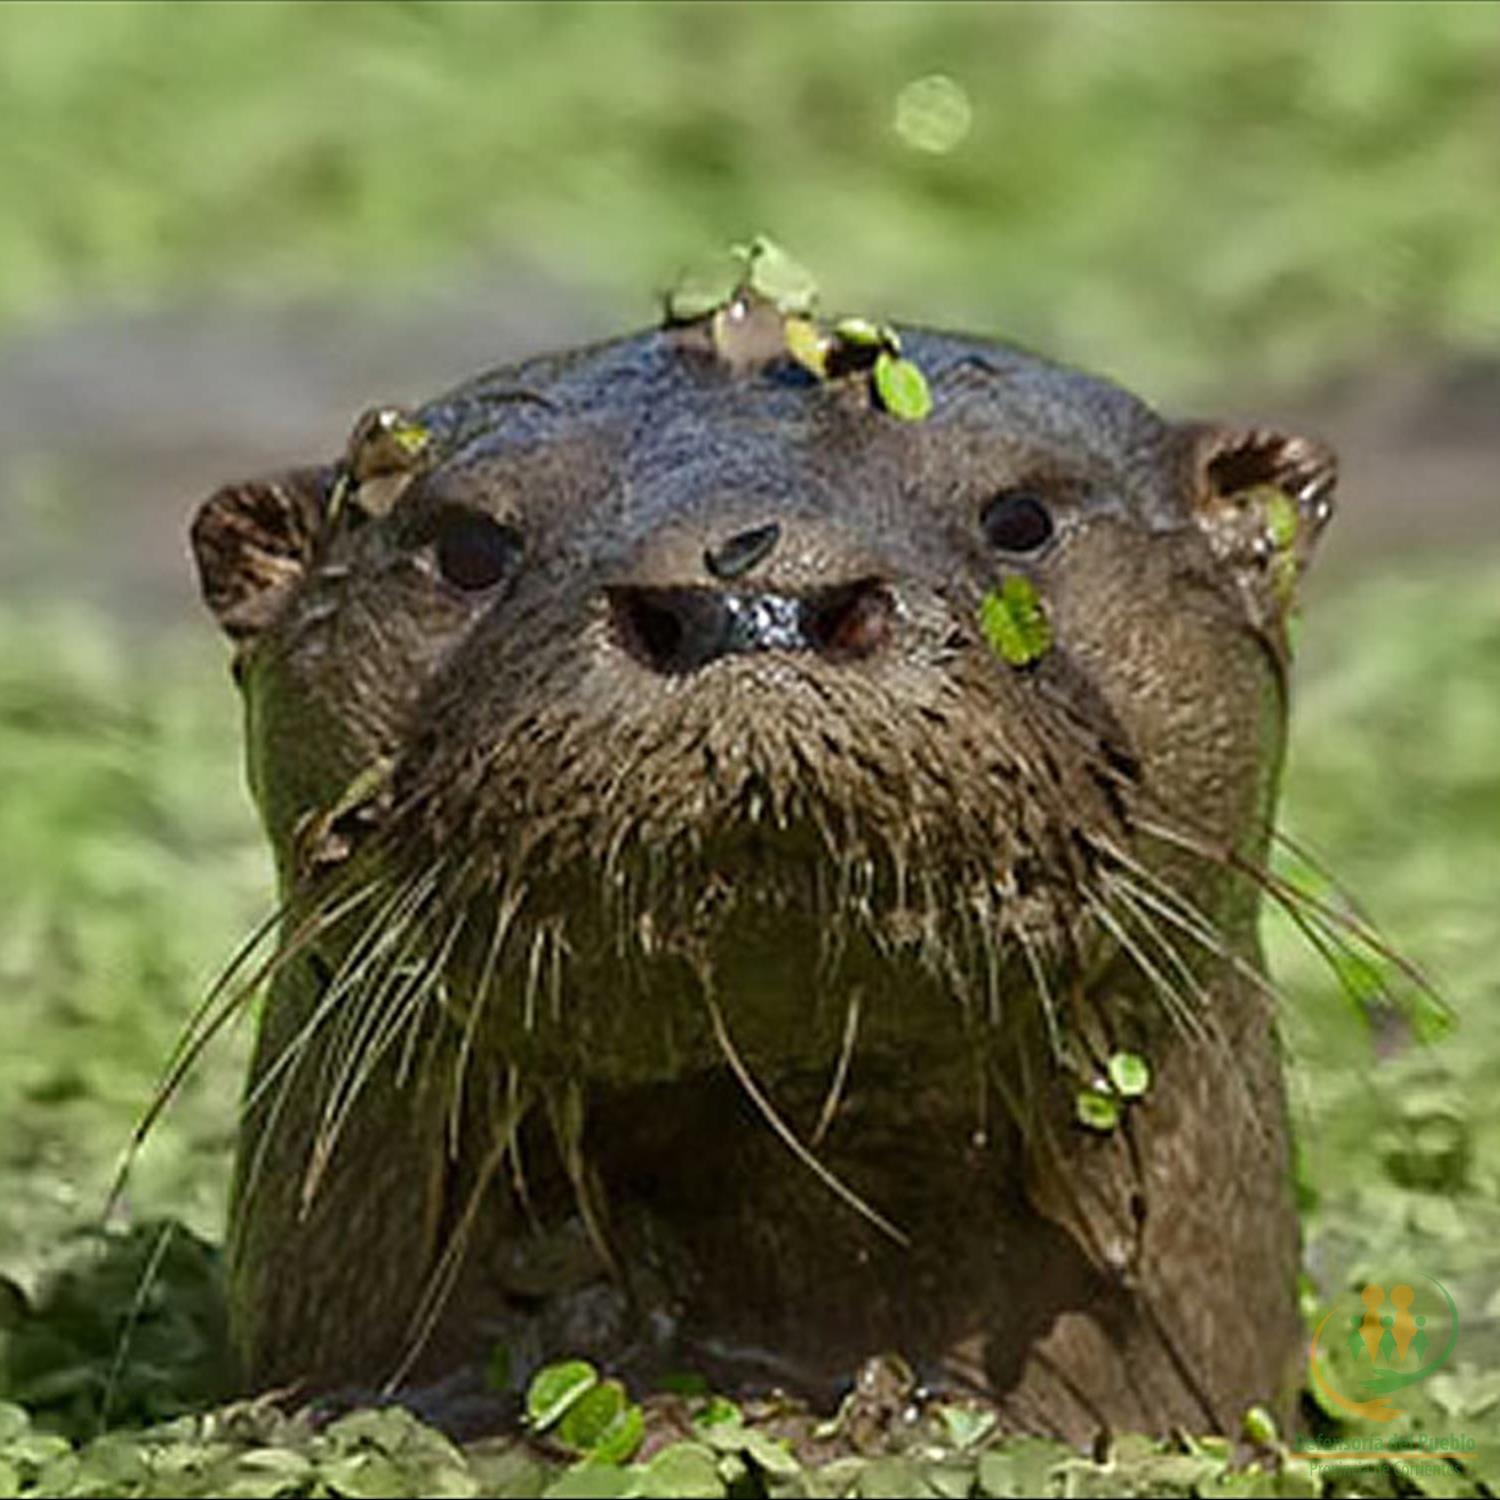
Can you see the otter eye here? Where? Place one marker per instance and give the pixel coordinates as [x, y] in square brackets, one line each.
[475, 551]
[1016, 521]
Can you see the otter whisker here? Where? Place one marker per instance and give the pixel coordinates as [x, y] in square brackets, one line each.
[1211, 1021]
[444, 1276]
[506, 908]
[1178, 1010]
[1044, 993]
[400, 999]
[517, 1163]
[566, 1113]
[370, 969]
[215, 1011]
[276, 1080]
[786, 1134]
[841, 1068]
[1343, 931]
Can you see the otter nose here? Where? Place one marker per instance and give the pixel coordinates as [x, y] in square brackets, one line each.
[678, 630]
[742, 552]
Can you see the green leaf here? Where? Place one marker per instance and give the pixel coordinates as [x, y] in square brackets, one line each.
[591, 1481]
[1282, 518]
[588, 1418]
[718, 1410]
[365, 1476]
[865, 334]
[1014, 623]
[806, 344]
[1022, 1467]
[13, 1421]
[603, 1424]
[1130, 1073]
[734, 1437]
[966, 1425]
[892, 1478]
[287, 1462]
[774, 275]
[1259, 1427]
[705, 287]
[1099, 1111]
[770, 1453]
[902, 388]
[684, 1469]
[555, 1388]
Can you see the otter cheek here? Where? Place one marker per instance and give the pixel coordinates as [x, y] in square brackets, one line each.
[1193, 689]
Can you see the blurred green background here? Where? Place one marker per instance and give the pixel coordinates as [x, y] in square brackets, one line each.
[225, 228]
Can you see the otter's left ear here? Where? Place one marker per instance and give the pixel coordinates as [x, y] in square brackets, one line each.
[253, 542]
[1262, 499]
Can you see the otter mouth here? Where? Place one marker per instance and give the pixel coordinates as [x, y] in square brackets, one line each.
[679, 630]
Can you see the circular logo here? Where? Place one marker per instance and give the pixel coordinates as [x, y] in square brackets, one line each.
[1378, 1339]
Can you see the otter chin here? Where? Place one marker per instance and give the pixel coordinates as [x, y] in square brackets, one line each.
[727, 831]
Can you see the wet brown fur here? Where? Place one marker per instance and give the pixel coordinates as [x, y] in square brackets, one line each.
[732, 1018]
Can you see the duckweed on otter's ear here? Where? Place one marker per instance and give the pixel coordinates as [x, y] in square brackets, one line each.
[1014, 623]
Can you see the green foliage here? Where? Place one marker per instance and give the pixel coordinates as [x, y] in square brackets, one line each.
[902, 387]
[128, 1329]
[132, 868]
[1014, 623]
[254, 1450]
[1130, 1074]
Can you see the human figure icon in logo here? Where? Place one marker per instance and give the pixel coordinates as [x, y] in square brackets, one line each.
[1370, 1328]
[1405, 1326]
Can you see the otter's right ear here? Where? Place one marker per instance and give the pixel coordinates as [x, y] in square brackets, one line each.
[253, 543]
[1262, 499]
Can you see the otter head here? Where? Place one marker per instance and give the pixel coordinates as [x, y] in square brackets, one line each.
[666, 669]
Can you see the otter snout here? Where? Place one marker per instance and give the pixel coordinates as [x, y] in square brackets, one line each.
[679, 630]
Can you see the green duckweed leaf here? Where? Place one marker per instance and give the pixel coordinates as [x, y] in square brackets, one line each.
[1283, 519]
[705, 287]
[684, 1469]
[1259, 1427]
[1130, 1073]
[773, 274]
[902, 387]
[866, 334]
[555, 1388]
[591, 1481]
[966, 1425]
[603, 1424]
[806, 344]
[717, 1410]
[1013, 622]
[1098, 1110]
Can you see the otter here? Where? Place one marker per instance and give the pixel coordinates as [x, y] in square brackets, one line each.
[770, 875]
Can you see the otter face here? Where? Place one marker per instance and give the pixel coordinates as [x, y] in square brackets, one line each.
[660, 655]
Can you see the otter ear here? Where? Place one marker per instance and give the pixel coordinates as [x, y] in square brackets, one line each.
[253, 542]
[1262, 499]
